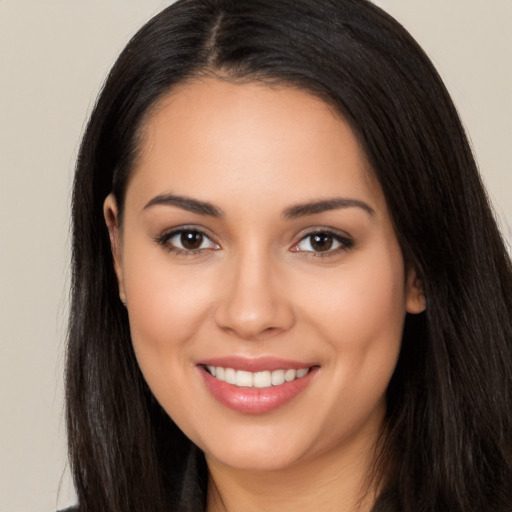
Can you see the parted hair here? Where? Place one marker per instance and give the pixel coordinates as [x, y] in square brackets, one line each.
[446, 444]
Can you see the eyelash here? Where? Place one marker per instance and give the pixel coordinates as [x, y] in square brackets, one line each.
[164, 240]
[344, 241]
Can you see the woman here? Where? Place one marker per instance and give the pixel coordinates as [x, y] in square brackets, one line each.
[289, 291]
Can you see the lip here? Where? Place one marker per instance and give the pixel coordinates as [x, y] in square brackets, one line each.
[248, 400]
[258, 364]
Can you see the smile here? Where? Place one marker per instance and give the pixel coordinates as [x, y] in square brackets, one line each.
[262, 379]
[256, 386]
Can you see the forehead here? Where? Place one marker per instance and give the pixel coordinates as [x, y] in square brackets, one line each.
[249, 135]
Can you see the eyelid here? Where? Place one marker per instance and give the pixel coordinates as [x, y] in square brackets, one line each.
[164, 238]
[343, 238]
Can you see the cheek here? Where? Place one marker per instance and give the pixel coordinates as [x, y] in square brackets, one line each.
[360, 312]
[361, 319]
[359, 301]
[166, 304]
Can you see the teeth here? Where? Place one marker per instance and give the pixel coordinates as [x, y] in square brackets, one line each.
[277, 377]
[290, 375]
[263, 379]
[243, 378]
[230, 376]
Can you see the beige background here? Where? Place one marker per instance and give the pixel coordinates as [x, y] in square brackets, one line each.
[53, 57]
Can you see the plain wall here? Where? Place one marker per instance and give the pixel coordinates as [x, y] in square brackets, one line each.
[53, 58]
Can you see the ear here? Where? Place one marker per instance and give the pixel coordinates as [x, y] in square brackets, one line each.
[110, 212]
[416, 301]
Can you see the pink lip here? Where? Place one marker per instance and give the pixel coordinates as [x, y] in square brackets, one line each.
[255, 400]
[259, 364]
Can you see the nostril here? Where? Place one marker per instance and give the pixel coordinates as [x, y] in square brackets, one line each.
[252, 312]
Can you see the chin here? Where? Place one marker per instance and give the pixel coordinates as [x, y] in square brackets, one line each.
[250, 450]
[255, 460]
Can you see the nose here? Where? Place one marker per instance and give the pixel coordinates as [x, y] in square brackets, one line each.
[254, 303]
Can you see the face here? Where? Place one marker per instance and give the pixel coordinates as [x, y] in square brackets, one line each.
[265, 287]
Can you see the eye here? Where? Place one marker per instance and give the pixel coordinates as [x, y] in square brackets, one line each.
[323, 242]
[182, 241]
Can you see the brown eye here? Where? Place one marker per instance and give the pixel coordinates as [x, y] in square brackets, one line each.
[321, 242]
[187, 241]
[191, 240]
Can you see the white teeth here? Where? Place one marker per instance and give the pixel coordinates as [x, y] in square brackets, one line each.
[264, 379]
[302, 372]
[243, 378]
[290, 375]
[278, 377]
[230, 376]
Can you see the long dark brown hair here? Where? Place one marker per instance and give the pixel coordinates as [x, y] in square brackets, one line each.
[447, 441]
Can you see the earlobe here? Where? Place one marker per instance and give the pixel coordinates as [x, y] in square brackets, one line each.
[110, 213]
[416, 302]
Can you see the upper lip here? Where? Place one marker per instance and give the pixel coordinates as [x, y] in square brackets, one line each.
[258, 364]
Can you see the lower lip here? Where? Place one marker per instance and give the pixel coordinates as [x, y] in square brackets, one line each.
[255, 400]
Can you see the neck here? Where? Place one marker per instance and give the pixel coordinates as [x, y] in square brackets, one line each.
[339, 480]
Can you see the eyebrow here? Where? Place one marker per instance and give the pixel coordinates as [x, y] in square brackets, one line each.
[186, 203]
[324, 205]
[292, 212]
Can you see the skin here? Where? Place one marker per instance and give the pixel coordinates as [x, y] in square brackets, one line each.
[257, 288]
